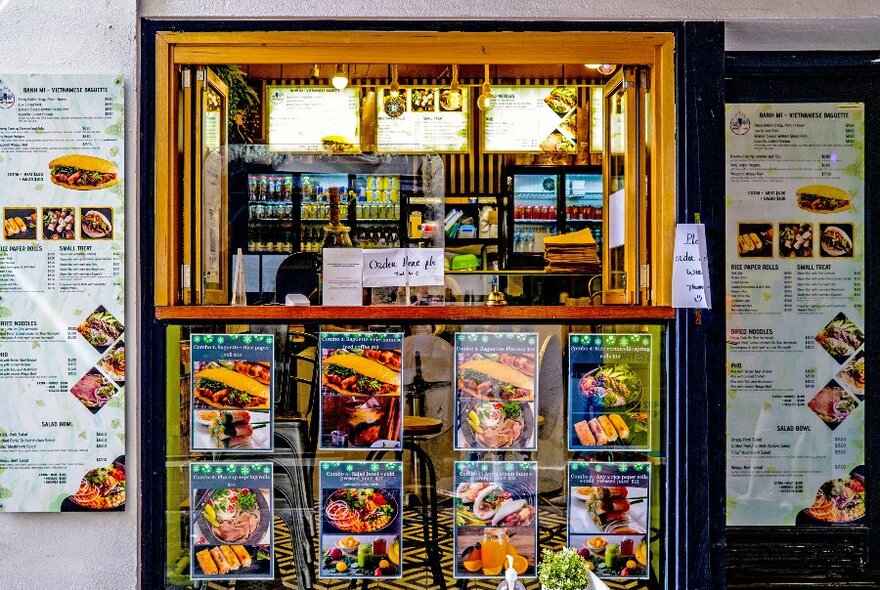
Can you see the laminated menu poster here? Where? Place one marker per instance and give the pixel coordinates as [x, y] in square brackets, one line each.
[532, 119]
[314, 119]
[232, 392]
[496, 516]
[795, 260]
[231, 519]
[608, 516]
[361, 522]
[496, 391]
[361, 403]
[434, 120]
[62, 308]
[610, 391]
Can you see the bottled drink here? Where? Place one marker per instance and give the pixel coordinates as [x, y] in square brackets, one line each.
[252, 188]
[263, 188]
[530, 240]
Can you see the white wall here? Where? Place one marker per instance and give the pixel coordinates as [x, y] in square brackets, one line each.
[94, 551]
[99, 36]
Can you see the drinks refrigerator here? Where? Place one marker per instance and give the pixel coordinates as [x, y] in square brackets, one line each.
[286, 212]
[544, 201]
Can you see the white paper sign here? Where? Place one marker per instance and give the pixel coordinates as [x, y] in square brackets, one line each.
[690, 268]
[343, 270]
[424, 266]
[384, 267]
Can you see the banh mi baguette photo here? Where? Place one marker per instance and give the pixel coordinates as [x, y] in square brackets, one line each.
[351, 374]
[821, 198]
[494, 381]
[83, 172]
[225, 389]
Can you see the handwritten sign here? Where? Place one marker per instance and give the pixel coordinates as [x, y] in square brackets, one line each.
[399, 267]
[690, 268]
[424, 266]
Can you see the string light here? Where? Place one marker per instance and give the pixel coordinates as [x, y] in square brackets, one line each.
[486, 100]
[339, 80]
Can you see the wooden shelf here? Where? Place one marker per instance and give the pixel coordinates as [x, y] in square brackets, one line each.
[393, 313]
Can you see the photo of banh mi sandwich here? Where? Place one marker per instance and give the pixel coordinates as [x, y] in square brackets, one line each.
[219, 387]
[494, 381]
[820, 198]
[83, 173]
[352, 374]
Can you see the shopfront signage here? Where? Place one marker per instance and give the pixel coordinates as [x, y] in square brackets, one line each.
[62, 312]
[609, 517]
[532, 119]
[361, 402]
[401, 267]
[361, 522]
[496, 391]
[690, 267]
[435, 121]
[313, 119]
[795, 314]
[231, 386]
[232, 515]
[611, 391]
[496, 518]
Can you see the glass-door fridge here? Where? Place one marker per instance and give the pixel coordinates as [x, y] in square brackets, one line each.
[545, 201]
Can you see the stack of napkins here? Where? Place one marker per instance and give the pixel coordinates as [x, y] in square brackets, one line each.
[572, 252]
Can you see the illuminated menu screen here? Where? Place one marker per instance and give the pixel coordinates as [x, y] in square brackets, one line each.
[531, 119]
[314, 119]
[434, 120]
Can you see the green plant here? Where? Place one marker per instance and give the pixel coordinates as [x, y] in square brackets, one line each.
[243, 101]
[563, 570]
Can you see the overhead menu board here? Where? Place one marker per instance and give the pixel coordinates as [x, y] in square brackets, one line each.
[528, 119]
[62, 315]
[314, 119]
[434, 120]
[796, 317]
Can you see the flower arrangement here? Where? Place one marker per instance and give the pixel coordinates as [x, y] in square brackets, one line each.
[563, 570]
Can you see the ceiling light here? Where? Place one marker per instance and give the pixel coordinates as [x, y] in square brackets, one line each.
[454, 99]
[486, 100]
[394, 104]
[593, 66]
[606, 69]
[339, 80]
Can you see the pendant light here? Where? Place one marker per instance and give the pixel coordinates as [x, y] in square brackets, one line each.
[606, 69]
[486, 100]
[339, 80]
[394, 104]
[454, 99]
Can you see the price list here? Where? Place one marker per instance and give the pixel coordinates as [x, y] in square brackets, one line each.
[795, 323]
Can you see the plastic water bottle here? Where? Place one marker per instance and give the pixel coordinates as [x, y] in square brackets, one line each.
[530, 240]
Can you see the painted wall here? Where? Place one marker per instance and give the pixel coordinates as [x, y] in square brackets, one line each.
[100, 36]
[98, 552]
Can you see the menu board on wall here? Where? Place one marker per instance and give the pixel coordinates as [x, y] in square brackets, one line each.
[62, 349]
[232, 521]
[496, 391]
[796, 318]
[608, 516]
[528, 119]
[361, 404]
[434, 121]
[361, 522]
[314, 119]
[232, 392]
[496, 516]
[610, 391]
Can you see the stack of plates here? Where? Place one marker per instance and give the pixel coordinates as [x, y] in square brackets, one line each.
[572, 252]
